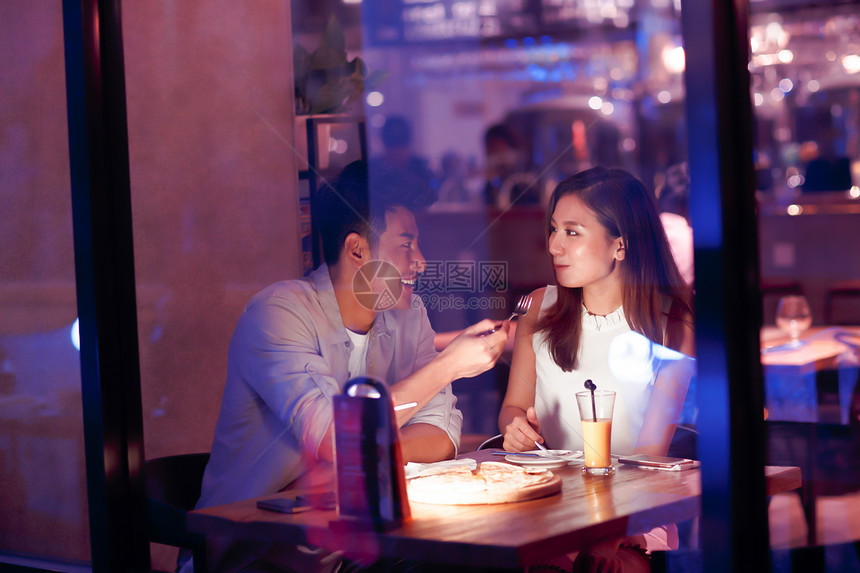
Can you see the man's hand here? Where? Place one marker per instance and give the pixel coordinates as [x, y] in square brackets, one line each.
[522, 433]
[474, 351]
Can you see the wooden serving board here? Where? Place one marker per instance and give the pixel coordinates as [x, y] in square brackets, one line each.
[493, 493]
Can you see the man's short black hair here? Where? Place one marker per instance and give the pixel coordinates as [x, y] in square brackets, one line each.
[357, 201]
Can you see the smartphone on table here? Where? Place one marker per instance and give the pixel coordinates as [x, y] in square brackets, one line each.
[284, 505]
[324, 500]
[661, 462]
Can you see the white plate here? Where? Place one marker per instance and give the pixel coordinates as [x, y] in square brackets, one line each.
[541, 462]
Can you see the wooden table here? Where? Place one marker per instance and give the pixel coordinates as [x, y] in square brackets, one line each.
[588, 510]
[808, 399]
[803, 384]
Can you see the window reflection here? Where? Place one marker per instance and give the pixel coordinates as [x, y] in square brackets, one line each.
[500, 101]
[806, 102]
[43, 493]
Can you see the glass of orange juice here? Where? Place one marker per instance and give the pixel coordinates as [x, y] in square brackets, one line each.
[595, 410]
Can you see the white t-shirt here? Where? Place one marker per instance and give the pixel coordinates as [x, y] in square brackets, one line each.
[358, 354]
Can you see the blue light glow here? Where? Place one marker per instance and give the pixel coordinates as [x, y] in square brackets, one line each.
[633, 358]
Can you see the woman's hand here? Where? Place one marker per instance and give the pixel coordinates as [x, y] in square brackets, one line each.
[522, 432]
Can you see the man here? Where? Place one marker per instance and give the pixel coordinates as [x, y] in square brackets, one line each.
[298, 342]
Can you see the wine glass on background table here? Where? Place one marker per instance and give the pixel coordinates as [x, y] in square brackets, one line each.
[793, 316]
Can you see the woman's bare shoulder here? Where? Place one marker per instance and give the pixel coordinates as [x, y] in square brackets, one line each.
[538, 296]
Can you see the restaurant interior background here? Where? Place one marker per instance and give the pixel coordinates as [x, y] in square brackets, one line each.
[220, 203]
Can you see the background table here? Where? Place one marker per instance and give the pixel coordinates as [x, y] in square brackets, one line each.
[813, 382]
[588, 510]
[808, 393]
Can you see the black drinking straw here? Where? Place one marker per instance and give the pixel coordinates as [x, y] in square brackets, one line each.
[590, 386]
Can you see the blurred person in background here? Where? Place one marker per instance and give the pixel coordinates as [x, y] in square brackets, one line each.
[672, 200]
[508, 180]
[398, 154]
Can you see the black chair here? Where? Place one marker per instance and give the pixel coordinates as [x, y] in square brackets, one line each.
[172, 489]
[846, 292]
[685, 442]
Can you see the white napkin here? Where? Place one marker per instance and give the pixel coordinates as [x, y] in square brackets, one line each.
[414, 470]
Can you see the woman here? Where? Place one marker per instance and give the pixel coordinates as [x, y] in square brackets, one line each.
[619, 292]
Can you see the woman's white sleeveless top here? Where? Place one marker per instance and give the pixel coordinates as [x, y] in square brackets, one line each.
[555, 400]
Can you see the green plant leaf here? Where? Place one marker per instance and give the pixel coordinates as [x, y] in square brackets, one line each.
[300, 53]
[375, 79]
[301, 65]
[327, 81]
[355, 94]
[333, 35]
[329, 99]
[325, 58]
[357, 66]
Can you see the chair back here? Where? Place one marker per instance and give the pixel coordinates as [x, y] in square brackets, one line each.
[176, 480]
[685, 442]
[173, 486]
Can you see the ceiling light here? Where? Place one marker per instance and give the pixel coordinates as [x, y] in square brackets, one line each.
[851, 63]
[375, 99]
[674, 59]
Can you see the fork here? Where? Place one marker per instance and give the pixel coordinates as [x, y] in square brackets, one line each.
[521, 308]
[545, 453]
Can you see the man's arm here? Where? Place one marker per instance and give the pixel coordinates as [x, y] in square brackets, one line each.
[418, 442]
[469, 354]
[425, 443]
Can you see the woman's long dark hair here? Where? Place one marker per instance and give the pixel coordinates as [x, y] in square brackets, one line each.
[648, 271]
